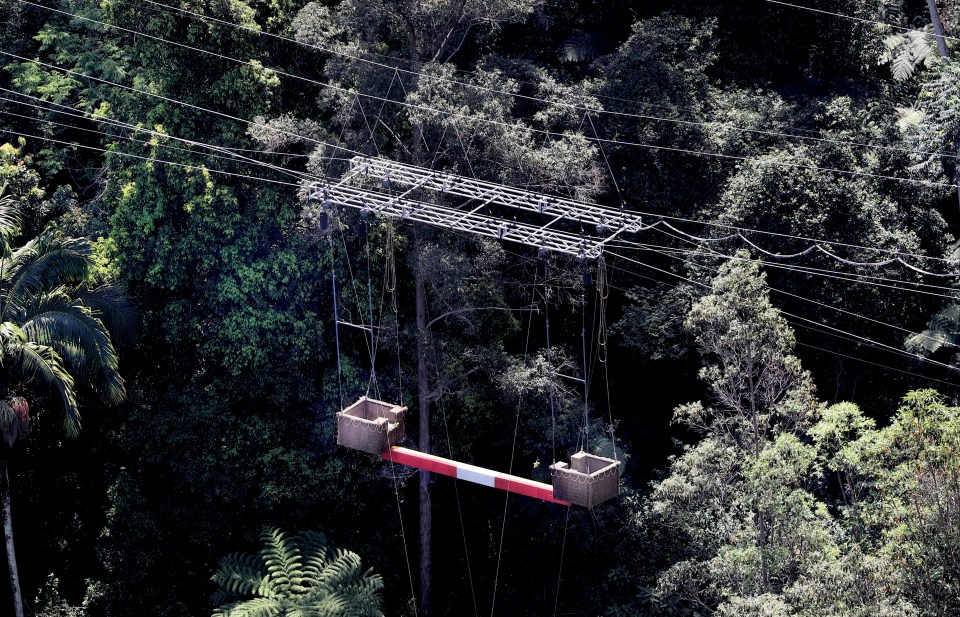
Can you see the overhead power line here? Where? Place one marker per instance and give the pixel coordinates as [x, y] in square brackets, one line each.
[861, 279]
[506, 195]
[423, 108]
[183, 103]
[856, 277]
[113, 135]
[146, 158]
[833, 332]
[799, 343]
[273, 128]
[230, 153]
[878, 365]
[564, 104]
[399, 207]
[851, 17]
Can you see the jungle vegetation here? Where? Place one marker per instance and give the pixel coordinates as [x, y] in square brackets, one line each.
[773, 357]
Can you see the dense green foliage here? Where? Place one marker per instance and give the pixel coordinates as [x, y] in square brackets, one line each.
[296, 575]
[785, 450]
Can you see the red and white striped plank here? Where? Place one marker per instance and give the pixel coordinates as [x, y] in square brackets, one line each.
[471, 473]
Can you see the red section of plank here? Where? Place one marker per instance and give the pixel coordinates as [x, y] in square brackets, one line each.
[522, 486]
[427, 462]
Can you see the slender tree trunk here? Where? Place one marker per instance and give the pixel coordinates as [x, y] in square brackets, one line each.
[423, 384]
[937, 27]
[763, 538]
[8, 538]
[942, 48]
[423, 392]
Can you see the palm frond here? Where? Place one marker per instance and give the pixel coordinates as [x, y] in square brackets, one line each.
[42, 363]
[80, 338]
[9, 221]
[109, 304]
[11, 337]
[44, 262]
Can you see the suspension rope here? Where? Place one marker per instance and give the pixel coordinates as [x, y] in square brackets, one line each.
[456, 487]
[406, 95]
[391, 286]
[585, 436]
[603, 152]
[343, 132]
[373, 339]
[356, 295]
[563, 548]
[336, 317]
[603, 295]
[380, 311]
[550, 372]
[403, 533]
[513, 449]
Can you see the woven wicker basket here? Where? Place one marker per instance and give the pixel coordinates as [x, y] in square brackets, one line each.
[588, 480]
[370, 426]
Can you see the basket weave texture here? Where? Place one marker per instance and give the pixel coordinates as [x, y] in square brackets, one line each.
[588, 480]
[370, 425]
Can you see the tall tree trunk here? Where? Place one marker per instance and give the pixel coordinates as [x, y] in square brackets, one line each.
[937, 27]
[942, 48]
[762, 541]
[8, 538]
[423, 394]
[423, 384]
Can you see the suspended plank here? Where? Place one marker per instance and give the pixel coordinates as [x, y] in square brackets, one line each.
[472, 473]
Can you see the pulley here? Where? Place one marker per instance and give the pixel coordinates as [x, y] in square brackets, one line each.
[542, 253]
[587, 276]
[603, 229]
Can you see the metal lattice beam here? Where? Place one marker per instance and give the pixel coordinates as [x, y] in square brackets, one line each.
[401, 181]
[511, 198]
[403, 208]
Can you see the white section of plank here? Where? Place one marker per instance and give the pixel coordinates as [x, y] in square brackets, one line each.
[477, 475]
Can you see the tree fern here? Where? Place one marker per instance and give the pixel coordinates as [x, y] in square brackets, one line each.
[905, 51]
[296, 576]
[942, 332]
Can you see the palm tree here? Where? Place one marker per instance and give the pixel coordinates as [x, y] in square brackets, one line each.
[298, 575]
[54, 336]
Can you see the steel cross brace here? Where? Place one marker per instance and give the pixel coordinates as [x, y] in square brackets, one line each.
[401, 207]
[614, 220]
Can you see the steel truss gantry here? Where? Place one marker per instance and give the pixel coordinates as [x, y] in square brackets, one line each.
[400, 185]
